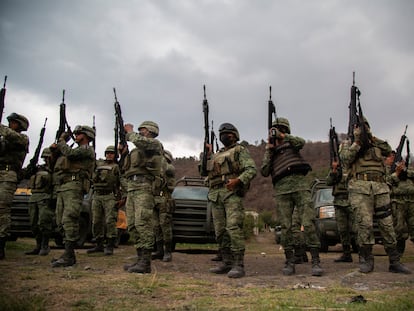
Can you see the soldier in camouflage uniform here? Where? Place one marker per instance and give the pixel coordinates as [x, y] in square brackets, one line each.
[13, 149]
[142, 171]
[164, 208]
[344, 214]
[401, 183]
[73, 171]
[41, 210]
[106, 190]
[369, 196]
[230, 171]
[282, 160]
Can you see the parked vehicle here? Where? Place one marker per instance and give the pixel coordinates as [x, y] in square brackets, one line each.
[192, 218]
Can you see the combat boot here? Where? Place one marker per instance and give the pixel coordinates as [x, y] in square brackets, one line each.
[139, 256]
[366, 259]
[395, 265]
[289, 268]
[401, 247]
[68, 258]
[2, 247]
[109, 248]
[316, 267]
[226, 265]
[346, 255]
[159, 252]
[36, 250]
[99, 247]
[44, 249]
[300, 254]
[144, 263]
[237, 271]
[167, 251]
[218, 256]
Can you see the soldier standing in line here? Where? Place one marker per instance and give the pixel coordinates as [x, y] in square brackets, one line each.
[369, 195]
[41, 210]
[164, 208]
[283, 161]
[344, 214]
[401, 183]
[230, 171]
[142, 170]
[106, 190]
[13, 149]
[73, 170]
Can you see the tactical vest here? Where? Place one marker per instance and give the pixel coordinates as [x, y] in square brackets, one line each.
[224, 165]
[145, 161]
[371, 161]
[287, 161]
[41, 181]
[104, 177]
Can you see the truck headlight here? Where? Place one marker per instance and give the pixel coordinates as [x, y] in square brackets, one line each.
[327, 211]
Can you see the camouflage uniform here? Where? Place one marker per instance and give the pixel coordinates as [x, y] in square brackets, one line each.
[163, 211]
[13, 149]
[106, 188]
[284, 163]
[229, 163]
[41, 210]
[369, 196]
[402, 204]
[73, 172]
[142, 171]
[344, 214]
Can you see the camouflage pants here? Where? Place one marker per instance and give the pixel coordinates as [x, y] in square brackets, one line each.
[162, 219]
[345, 221]
[104, 216]
[139, 211]
[68, 210]
[7, 190]
[41, 214]
[228, 218]
[403, 218]
[368, 199]
[297, 233]
[286, 205]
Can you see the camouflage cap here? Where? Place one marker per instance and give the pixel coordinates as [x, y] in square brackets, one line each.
[282, 122]
[22, 120]
[85, 129]
[150, 126]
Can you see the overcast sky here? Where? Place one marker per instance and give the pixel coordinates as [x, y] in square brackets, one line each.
[159, 54]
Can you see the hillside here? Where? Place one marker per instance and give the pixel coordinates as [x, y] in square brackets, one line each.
[260, 196]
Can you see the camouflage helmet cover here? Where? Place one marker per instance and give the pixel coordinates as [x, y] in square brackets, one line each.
[46, 153]
[150, 126]
[168, 155]
[110, 149]
[229, 128]
[85, 129]
[22, 120]
[282, 122]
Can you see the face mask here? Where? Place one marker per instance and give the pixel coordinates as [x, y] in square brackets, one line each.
[226, 139]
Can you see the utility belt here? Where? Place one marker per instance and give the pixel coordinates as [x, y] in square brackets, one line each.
[6, 167]
[371, 177]
[103, 191]
[141, 178]
[69, 178]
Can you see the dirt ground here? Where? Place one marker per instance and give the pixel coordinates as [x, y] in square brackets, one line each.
[22, 275]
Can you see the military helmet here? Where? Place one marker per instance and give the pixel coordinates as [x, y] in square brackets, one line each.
[168, 155]
[282, 122]
[46, 153]
[150, 126]
[22, 120]
[110, 149]
[229, 128]
[85, 129]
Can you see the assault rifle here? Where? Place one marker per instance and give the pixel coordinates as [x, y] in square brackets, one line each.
[120, 134]
[2, 96]
[334, 148]
[63, 122]
[398, 152]
[271, 112]
[32, 167]
[206, 135]
[356, 117]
